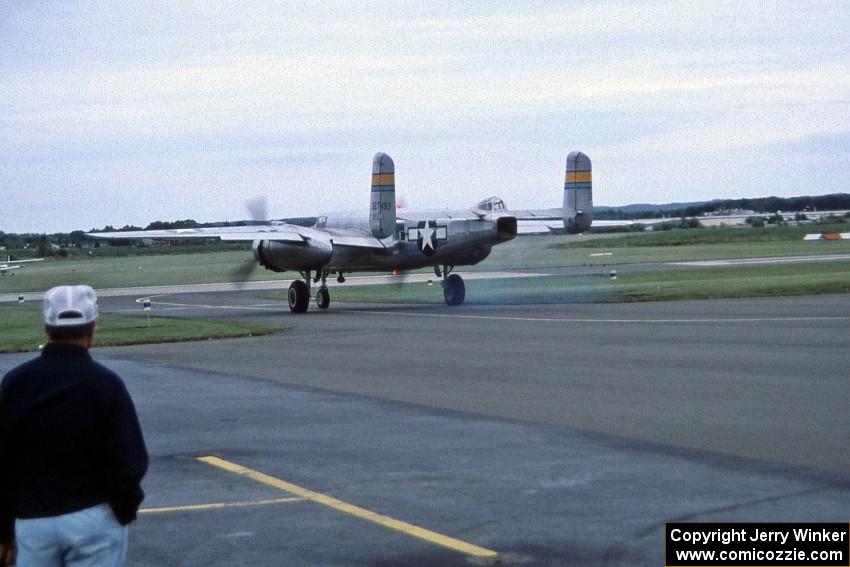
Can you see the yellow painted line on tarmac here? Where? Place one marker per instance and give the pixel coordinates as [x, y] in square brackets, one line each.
[217, 506]
[356, 511]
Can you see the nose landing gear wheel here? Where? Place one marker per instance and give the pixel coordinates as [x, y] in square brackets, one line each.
[323, 298]
[298, 296]
[454, 290]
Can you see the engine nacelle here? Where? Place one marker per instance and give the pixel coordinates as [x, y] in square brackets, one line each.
[280, 256]
[506, 228]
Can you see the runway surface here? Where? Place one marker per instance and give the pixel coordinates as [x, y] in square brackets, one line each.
[267, 285]
[548, 435]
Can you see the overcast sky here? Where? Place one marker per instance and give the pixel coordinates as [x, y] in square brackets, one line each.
[160, 110]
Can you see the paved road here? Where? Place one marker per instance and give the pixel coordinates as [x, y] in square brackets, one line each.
[558, 434]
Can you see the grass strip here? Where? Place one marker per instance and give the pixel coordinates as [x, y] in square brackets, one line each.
[737, 282]
[712, 235]
[22, 329]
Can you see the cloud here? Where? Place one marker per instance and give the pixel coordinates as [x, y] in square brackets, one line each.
[175, 99]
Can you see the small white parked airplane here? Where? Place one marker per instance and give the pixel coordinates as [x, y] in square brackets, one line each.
[9, 265]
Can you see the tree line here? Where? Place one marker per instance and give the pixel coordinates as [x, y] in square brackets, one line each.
[57, 243]
[761, 205]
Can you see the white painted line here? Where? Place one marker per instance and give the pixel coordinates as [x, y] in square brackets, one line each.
[602, 321]
[753, 261]
[181, 306]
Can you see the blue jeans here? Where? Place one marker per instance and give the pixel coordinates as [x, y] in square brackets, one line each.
[88, 538]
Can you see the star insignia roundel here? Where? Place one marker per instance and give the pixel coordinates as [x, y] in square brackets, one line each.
[427, 240]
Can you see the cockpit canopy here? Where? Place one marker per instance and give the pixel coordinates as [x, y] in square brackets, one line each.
[494, 204]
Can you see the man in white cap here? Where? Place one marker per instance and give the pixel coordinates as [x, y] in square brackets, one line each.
[72, 455]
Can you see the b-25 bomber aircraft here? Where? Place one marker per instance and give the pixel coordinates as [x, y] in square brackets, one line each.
[389, 240]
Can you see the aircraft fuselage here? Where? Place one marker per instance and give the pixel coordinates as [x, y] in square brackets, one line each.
[414, 244]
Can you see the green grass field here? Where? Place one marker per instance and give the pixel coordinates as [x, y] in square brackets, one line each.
[23, 330]
[663, 246]
[810, 278]
[130, 271]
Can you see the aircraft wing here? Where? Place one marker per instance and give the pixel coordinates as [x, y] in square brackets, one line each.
[280, 232]
[539, 221]
[358, 241]
[531, 221]
[539, 214]
[418, 216]
[537, 227]
[10, 261]
[283, 232]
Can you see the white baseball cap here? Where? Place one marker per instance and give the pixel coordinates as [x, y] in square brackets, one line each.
[70, 306]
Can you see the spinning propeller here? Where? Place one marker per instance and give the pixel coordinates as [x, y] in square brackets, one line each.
[258, 211]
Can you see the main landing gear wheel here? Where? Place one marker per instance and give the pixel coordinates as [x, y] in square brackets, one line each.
[323, 298]
[454, 290]
[299, 296]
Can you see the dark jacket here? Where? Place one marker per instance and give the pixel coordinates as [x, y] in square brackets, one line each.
[69, 439]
